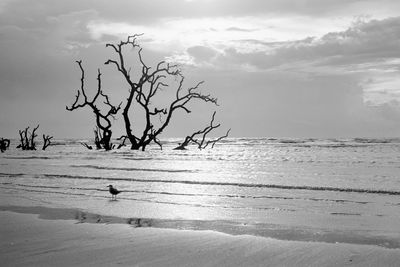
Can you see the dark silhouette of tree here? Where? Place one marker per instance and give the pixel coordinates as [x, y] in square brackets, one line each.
[46, 141]
[142, 92]
[27, 139]
[123, 139]
[98, 137]
[103, 131]
[87, 146]
[4, 144]
[202, 142]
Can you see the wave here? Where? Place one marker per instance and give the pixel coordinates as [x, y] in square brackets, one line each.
[11, 174]
[334, 145]
[376, 140]
[137, 159]
[53, 187]
[130, 169]
[50, 192]
[345, 214]
[246, 185]
[212, 183]
[246, 196]
[190, 194]
[33, 157]
[155, 201]
[314, 142]
[292, 141]
[206, 183]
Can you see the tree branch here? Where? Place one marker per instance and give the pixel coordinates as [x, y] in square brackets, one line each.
[4, 144]
[202, 143]
[102, 119]
[27, 142]
[144, 89]
[46, 141]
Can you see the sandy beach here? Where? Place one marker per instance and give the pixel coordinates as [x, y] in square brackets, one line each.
[49, 239]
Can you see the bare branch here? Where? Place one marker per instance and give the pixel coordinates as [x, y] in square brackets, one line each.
[46, 141]
[142, 62]
[115, 63]
[4, 144]
[27, 142]
[132, 39]
[75, 104]
[113, 46]
[213, 142]
[143, 89]
[113, 109]
[123, 138]
[102, 119]
[33, 136]
[157, 111]
[87, 146]
[203, 143]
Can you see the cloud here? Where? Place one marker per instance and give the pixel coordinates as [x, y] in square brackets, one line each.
[367, 42]
[154, 11]
[279, 67]
[237, 29]
[359, 48]
[201, 53]
[366, 50]
[327, 85]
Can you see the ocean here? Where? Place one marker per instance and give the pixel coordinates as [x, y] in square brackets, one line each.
[328, 190]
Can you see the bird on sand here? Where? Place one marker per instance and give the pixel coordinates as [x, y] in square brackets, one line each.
[113, 191]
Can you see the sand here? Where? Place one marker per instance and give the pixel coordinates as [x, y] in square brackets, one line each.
[27, 240]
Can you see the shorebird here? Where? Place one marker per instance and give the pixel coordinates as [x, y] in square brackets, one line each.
[113, 191]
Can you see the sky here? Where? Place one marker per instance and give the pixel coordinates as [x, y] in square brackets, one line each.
[279, 68]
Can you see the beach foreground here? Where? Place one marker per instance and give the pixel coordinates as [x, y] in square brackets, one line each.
[30, 240]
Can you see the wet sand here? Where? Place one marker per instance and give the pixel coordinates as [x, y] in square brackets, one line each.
[56, 239]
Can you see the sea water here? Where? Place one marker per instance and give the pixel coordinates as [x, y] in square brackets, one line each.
[333, 190]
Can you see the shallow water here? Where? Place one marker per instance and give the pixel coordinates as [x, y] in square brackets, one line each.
[347, 190]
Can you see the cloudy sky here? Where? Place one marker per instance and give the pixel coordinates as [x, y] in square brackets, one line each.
[281, 68]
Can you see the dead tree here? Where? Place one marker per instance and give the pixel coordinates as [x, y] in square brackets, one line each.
[4, 144]
[27, 139]
[87, 146]
[202, 142]
[98, 138]
[144, 88]
[123, 139]
[46, 141]
[103, 132]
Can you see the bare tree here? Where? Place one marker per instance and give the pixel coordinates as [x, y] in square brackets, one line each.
[87, 146]
[27, 139]
[4, 144]
[145, 87]
[123, 140]
[46, 141]
[202, 142]
[103, 132]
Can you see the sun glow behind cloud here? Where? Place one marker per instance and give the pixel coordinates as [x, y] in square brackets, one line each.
[219, 32]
